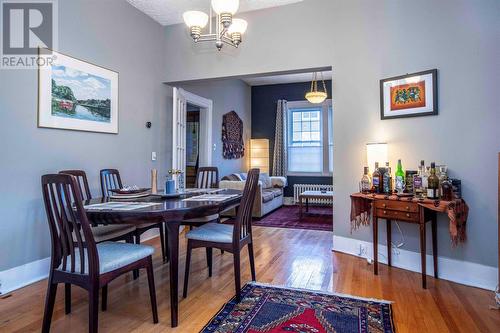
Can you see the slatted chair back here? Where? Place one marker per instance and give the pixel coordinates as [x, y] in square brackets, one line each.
[207, 177]
[81, 179]
[110, 180]
[70, 231]
[243, 224]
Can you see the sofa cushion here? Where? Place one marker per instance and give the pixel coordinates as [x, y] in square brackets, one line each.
[278, 181]
[233, 177]
[276, 191]
[267, 195]
[265, 180]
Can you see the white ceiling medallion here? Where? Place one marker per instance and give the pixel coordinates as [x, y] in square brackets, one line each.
[225, 29]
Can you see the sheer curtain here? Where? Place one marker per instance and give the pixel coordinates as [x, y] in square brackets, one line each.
[280, 158]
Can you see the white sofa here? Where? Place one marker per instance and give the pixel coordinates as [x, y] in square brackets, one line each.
[269, 194]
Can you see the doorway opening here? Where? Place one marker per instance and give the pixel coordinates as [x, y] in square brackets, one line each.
[192, 143]
[192, 134]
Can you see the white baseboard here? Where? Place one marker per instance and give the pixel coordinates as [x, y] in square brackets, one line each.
[21, 276]
[463, 272]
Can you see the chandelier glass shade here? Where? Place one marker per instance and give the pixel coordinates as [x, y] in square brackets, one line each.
[225, 29]
[316, 96]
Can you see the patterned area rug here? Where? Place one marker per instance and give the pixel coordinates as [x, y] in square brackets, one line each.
[318, 218]
[271, 309]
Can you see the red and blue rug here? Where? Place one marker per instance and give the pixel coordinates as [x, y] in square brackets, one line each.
[318, 218]
[274, 309]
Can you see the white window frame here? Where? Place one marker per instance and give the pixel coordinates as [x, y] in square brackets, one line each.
[324, 135]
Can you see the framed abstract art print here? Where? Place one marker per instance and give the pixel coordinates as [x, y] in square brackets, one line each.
[410, 95]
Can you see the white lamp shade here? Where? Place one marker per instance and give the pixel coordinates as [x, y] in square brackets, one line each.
[238, 25]
[225, 6]
[259, 154]
[376, 152]
[316, 97]
[195, 18]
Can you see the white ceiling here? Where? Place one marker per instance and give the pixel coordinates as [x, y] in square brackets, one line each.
[167, 12]
[285, 78]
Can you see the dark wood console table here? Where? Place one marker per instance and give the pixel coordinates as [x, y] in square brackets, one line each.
[411, 210]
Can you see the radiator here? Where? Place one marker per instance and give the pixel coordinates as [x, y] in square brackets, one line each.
[299, 188]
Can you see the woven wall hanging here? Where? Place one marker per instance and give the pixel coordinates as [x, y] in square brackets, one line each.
[232, 136]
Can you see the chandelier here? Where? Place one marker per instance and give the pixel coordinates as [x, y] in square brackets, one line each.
[316, 96]
[228, 30]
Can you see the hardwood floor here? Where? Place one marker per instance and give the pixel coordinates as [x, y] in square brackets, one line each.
[296, 258]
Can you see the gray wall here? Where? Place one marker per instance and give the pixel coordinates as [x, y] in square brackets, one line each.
[227, 95]
[109, 33]
[365, 41]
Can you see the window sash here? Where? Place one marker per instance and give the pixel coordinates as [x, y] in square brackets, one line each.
[296, 118]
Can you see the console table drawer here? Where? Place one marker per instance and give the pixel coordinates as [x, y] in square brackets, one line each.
[410, 207]
[398, 215]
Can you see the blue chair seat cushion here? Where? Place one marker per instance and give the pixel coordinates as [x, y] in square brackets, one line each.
[212, 232]
[112, 256]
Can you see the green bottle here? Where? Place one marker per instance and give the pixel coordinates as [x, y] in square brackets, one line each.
[400, 178]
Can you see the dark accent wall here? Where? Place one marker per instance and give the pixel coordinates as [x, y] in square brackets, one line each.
[264, 100]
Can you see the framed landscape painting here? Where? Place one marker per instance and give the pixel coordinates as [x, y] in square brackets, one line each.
[410, 95]
[76, 95]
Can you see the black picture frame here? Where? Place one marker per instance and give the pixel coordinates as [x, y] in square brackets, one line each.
[411, 111]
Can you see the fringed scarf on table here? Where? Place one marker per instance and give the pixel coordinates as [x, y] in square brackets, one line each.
[360, 212]
[232, 136]
[457, 211]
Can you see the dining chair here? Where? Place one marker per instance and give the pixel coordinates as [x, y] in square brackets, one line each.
[207, 177]
[111, 180]
[101, 233]
[230, 238]
[84, 262]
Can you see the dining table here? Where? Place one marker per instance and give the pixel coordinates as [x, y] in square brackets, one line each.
[173, 211]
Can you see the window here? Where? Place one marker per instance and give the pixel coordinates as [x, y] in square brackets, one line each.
[310, 138]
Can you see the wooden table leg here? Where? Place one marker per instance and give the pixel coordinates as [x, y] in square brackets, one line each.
[173, 249]
[301, 204]
[375, 245]
[434, 244]
[389, 243]
[422, 247]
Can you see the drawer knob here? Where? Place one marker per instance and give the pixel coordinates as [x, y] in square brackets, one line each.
[407, 215]
[407, 207]
[385, 212]
[384, 205]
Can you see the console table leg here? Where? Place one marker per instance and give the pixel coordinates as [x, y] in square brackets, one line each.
[434, 244]
[422, 248]
[375, 245]
[389, 243]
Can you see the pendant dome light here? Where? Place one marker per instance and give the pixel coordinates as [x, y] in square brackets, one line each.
[315, 96]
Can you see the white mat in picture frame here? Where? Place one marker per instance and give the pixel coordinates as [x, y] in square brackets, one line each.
[77, 95]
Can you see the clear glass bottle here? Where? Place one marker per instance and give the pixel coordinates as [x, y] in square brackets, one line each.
[366, 183]
[442, 175]
[425, 180]
[387, 180]
[376, 183]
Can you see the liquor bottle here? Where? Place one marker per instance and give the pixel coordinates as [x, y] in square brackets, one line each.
[376, 183]
[418, 180]
[442, 175]
[433, 183]
[365, 182]
[387, 180]
[425, 180]
[446, 189]
[400, 178]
